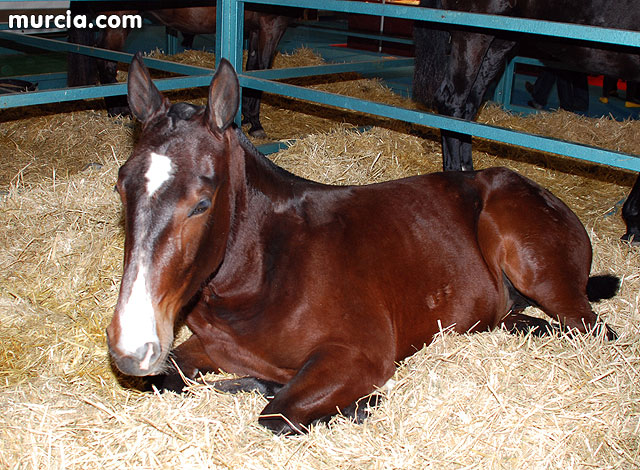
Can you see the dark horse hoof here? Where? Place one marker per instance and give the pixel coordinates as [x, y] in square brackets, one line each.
[117, 106]
[164, 383]
[258, 133]
[119, 111]
[255, 128]
[632, 238]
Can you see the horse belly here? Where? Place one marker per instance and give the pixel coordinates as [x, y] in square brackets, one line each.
[194, 20]
[456, 293]
[594, 60]
[421, 265]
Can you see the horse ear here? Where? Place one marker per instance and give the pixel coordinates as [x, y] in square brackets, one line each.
[145, 101]
[224, 97]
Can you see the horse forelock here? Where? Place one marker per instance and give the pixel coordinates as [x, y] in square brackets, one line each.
[183, 111]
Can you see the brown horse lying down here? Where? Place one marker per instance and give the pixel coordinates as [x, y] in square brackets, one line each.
[316, 291]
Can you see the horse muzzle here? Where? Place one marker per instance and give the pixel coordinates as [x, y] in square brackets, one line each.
[145, 360]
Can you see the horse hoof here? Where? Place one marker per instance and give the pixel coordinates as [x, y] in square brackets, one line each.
[632, 238]
[164, 383]
[123, 111]
[258, 133]
[279, 425]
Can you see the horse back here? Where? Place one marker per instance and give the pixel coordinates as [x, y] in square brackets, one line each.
[430, 252]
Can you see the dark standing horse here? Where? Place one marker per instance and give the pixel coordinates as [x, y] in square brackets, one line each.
[316, 291]
[454, 68]
[264, 27]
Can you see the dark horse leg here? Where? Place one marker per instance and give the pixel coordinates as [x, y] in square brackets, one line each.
[113, 38]
[81, 68]
[265, 32]
[631, 215]
[84, 70]
[462, 90]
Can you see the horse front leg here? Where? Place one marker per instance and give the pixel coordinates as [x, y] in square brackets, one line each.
[333, 380]
[492, 65]
[265, 33]
[631, 215]
[456, 151]
[475, 61]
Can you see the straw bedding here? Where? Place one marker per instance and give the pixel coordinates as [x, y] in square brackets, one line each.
[490, 400]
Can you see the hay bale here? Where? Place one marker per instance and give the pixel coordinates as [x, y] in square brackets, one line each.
[490, 400]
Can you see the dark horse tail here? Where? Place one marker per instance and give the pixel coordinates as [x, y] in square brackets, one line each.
[602, 287]
[432, 47]
[81, 69]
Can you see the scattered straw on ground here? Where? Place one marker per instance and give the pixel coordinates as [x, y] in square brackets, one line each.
[482, 401]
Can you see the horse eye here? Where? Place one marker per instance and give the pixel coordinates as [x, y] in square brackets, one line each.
[201, 207]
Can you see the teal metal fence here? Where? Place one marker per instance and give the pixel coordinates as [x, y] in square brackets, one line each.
[229, 44]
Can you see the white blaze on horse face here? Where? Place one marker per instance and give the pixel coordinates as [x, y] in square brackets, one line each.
[137, 315]
[137, 318]
[159, 172]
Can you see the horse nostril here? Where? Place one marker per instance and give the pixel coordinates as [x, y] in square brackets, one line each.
[147, 354]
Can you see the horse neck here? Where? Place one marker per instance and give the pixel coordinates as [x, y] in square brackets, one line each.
[258, 191]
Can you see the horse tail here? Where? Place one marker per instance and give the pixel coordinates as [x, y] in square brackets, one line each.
[432, 46]
[602, 287]
[81, 69]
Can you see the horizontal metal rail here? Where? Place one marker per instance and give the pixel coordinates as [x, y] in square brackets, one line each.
[89, 92]
[475, 20]
[582, 152]
[328, 69]
[63, 46]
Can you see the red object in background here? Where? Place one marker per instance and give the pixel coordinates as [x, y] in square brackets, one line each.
[597, 81]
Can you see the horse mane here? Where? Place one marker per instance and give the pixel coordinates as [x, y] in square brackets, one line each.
[264, 163]
[183, 111]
